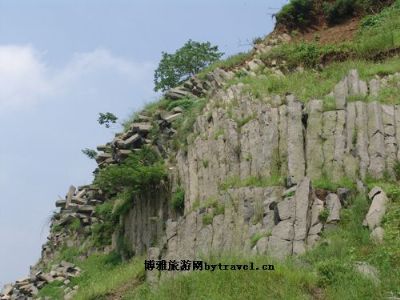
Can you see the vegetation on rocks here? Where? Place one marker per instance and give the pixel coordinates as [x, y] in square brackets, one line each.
[140, 171]
[185, 62]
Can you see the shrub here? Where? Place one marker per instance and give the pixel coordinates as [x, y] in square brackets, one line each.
[92, 154]
[339, 10]
[323, 215]
[139, 171]
[178, 199]
[297, 13]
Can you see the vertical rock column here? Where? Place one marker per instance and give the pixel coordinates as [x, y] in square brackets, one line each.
[296, 160]
[314, 155]
[376, 134]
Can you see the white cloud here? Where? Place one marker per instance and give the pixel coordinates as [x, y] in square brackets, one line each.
[22, 77]
[25, 79]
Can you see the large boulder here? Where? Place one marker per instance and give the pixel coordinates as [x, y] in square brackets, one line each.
[377, 209]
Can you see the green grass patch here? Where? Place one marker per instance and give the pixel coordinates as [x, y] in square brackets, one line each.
[288, 281]
[327, 183]
[104, 274]
[53, 290]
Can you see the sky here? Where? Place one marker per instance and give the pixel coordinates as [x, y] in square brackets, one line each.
[61, 63]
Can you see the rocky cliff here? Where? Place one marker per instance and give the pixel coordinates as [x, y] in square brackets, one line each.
[249, 172]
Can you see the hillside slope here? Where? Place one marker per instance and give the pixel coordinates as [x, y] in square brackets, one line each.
[287, 156]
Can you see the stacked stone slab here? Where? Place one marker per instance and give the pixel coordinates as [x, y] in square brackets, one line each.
[28, 288]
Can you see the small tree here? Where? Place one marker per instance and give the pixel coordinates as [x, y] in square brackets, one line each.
[185, 62]
[92, 154]
[106, 119]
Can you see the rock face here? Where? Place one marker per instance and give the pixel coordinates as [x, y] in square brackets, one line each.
[262, 220]
[247, 173]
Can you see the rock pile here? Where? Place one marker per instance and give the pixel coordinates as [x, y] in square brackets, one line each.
[28, 288]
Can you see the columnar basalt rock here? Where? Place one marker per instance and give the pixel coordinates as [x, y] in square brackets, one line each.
[247, 173]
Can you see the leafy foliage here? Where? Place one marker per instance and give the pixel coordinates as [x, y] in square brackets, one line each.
[339, 10]
[139, 172]
[185, 62]
[178, 199]
[92, 154]
[107, 119]
[297, 13]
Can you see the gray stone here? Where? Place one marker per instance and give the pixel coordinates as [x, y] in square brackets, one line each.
[302, 209]
[177, 93]
[377, 209]
[286, 209]
[334, 207]
[173, 117]
[377, 235]
[142, 128]
[70, 193]
[374, 87]
[296, 156]
[61, 203]
[284, 230]
[368, 271]
[341, 92]
[152, 276]
[7, 289]
[129, 141]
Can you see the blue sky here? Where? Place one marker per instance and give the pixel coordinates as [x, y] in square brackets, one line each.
[61, 63]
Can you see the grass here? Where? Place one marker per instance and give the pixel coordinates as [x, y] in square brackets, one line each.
[288, 281]
[226, 64]
[311, 84]
[326, 272]
[184, 125]
[52, 290]
[326, 183]
[103, 274]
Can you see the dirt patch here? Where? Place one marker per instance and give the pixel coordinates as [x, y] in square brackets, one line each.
[331, 35]
[124, 289]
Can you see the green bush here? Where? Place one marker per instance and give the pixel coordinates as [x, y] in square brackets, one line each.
[178, 199]
[138, 172]
[339, 10]
[297, 13]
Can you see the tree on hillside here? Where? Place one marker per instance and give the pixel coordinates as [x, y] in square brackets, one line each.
[185, 62]
[107, 119]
